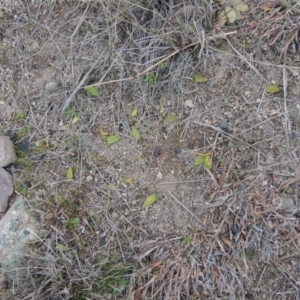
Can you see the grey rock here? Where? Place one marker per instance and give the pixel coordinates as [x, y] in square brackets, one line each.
[6, 188]
[17, 227]
[51, 86]
[223, 124]
[7, 151]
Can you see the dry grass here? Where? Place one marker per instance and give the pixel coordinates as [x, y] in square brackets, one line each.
[237, 233]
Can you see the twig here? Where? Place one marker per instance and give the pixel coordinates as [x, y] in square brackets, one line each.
[246, 61]
[286, 183]
[155, 65]
[227, 134]
[81, 83]
[286, 117]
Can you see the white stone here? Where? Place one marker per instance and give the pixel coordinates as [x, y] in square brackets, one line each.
[159, 175]
[114, 215]
[189, 103]
[7, 151]
[6, 188]
[51, 86]
[89, 178]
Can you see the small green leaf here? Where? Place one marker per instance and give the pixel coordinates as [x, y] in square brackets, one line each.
[204, 160]
[135, 133]
[207, 161]
[69, 112]
[134, 113]
[70, 173]
[75, 120]
[20, 115]
[93, 90]
[128, 180]
[62, 247]
[187, 239]
[241, 7]
[150, 200]
[199, 160]
[231, 14]
[289, 190]
[112, 139]
[200, 79]
[272, 89]
[73, 221]
[111, 187]
[171, 118]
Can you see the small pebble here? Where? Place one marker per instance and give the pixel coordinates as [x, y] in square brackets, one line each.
[40, 156]
[89, 178]
[26, 185]
[156, 152]
[51, 86]
[189, 103]
[223, 124]
[295, 73]
[102, 240]
[114, 215]
[24, 146]
[159, 175]
[178, 150]
[234, 229]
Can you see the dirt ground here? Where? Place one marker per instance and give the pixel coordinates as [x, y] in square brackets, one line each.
[227, 232]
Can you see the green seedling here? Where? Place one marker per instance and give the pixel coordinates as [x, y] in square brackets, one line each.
[72, 221]
[115, 280]
[23, 131]
[24, 162]
[69, 112]
[153, 77]
[187, 239]
[277, 101]
[20, 116]
[23, 191]
[289, 190]
[236, 173]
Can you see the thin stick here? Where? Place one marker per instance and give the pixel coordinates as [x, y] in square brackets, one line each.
[152, 67]
[188, 210]
[227, 134]
[81, 83]
[246, 61]
[286, 116]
